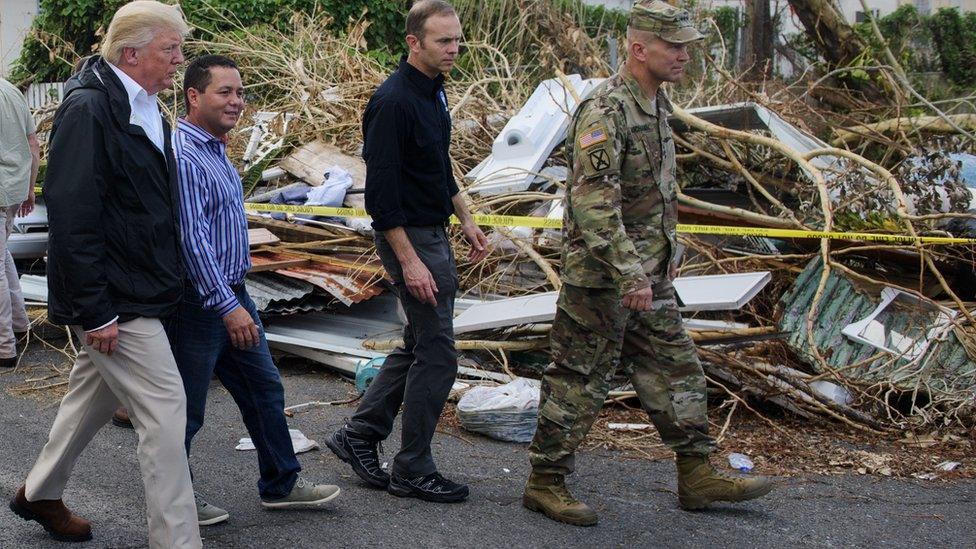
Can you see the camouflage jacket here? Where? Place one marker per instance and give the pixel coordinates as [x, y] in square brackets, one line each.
[621, 194]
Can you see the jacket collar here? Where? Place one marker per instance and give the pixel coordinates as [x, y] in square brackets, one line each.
[641, 98]
[133, 90]
[424, 84]
[99, 75]
[96, 74]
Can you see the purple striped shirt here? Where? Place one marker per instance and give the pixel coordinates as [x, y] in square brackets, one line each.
[215, 245]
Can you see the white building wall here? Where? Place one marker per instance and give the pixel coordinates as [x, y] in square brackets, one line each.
[15, 20]
[623, 5]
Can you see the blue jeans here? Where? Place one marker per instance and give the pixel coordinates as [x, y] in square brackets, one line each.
[202, 347]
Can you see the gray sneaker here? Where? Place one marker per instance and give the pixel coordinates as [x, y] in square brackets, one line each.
[303, 494]
[208, 514]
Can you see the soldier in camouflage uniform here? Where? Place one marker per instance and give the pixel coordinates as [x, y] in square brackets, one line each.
[617, 303]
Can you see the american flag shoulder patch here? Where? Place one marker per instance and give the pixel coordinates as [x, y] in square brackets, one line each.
[592, 136]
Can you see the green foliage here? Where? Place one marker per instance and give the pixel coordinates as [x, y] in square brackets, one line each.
[62, 31]
[908, 37]
[944, 41]
[955, 40]
[595, 19]
[67, 29]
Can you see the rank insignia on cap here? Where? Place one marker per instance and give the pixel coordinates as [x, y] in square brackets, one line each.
[593, 137]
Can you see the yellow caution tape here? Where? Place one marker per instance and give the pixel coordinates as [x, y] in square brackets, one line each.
[547, 223]
[483, 220]
[834, 235]
[307, 210]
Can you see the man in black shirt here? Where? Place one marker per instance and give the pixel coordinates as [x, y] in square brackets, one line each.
[411, 194]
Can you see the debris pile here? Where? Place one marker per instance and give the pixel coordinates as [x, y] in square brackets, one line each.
[870, 327]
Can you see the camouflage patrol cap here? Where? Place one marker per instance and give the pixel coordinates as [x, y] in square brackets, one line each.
[668, 22]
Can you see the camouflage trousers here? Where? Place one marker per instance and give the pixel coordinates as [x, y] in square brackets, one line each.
[592, 335]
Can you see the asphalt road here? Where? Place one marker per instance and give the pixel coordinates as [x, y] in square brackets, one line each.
[635, 498]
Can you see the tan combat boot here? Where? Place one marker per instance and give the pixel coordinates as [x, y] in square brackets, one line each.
[699, 484]
[548, 494]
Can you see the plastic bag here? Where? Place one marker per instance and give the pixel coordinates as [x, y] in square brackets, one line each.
[507, 412]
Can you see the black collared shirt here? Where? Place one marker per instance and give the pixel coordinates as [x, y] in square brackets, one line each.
[406, 134]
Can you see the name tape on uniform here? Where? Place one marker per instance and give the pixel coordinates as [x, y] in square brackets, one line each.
[547, 223]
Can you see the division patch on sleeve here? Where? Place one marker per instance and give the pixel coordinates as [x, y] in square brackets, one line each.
[599, 159]
[594, 135]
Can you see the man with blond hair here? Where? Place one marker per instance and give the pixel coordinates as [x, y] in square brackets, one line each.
[114, 270]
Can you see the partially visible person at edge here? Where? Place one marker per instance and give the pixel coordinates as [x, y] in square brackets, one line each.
[114, 270]
[216, 328]
[411, 194]
[20, 157]
[617, 304]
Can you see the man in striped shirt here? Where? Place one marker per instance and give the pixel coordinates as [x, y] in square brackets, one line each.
[217, 329]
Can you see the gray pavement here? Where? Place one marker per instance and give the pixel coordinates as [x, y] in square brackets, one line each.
[635, 498]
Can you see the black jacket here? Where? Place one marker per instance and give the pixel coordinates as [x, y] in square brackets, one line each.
[112, 203]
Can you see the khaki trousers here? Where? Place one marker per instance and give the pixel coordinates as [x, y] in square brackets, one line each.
[141, 375]
[13, 315]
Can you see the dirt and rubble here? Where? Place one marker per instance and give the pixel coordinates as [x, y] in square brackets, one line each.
[634, 496]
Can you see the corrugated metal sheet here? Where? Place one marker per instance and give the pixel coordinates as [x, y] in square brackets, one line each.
[339, 331]
[348, 288]
[289, 288]
[266, 288]
[945, 366]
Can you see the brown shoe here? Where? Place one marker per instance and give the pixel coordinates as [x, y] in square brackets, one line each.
[121, 418]
[59, 522]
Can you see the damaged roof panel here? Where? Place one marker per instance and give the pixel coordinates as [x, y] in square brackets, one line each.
[944, 365]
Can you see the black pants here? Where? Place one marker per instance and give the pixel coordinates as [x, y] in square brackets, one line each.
[418, 375]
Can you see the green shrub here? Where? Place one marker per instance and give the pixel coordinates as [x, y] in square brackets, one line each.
[66, 29]
[955, 40]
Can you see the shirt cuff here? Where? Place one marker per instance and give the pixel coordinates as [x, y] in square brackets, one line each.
[225, 307]
[634, 283]
[106, 325]
[387, 221]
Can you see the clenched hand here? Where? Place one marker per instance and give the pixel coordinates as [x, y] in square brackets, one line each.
[104, 340]
[639, 300]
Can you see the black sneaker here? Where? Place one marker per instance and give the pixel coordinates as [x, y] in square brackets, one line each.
[432, 487]
[361, 454]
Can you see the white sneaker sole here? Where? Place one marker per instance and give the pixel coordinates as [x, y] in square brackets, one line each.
[214, 520]
[294, 504]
